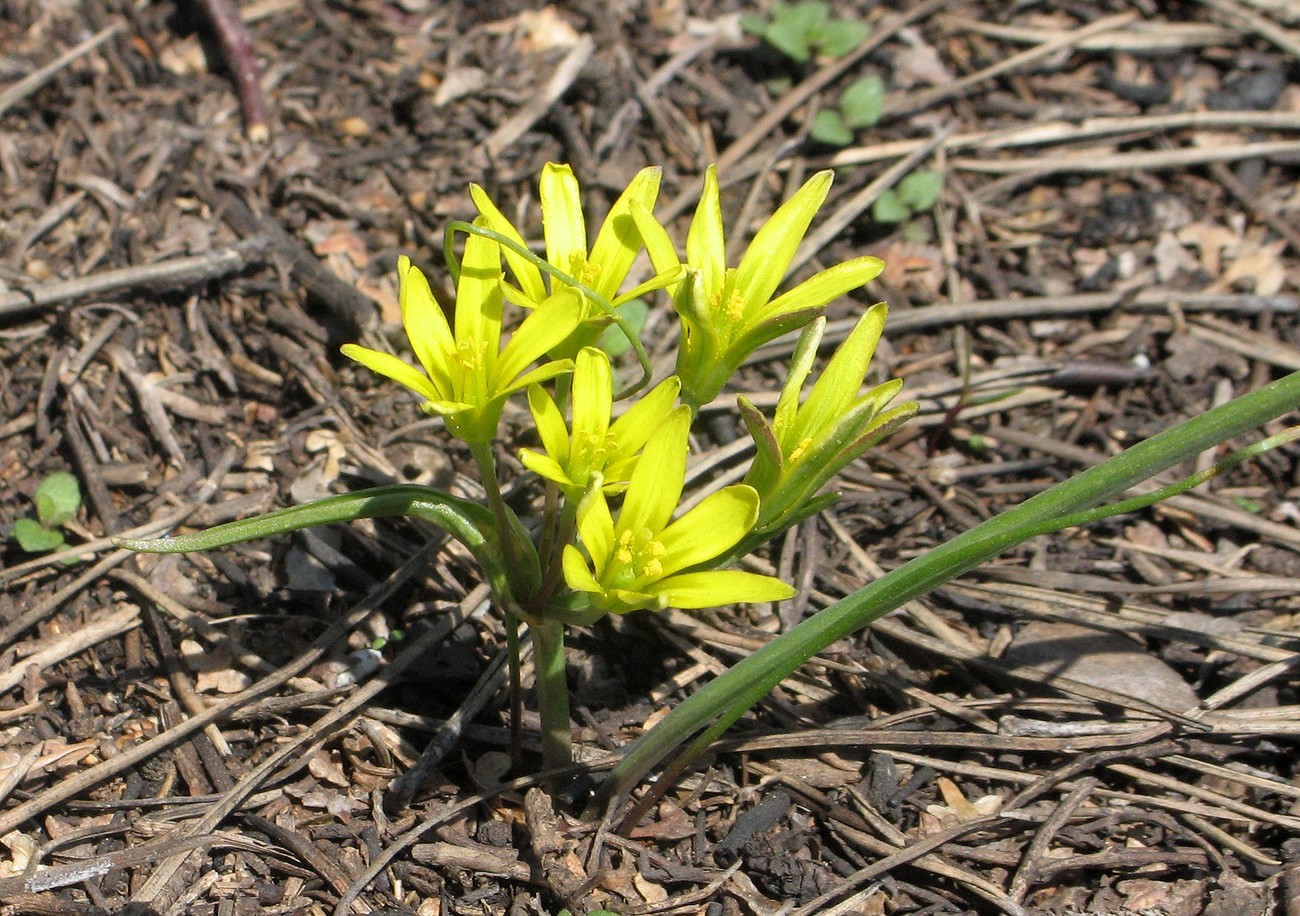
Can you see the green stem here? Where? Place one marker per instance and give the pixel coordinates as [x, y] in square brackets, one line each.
[516, 547]
[516, 692]
[552, 692]
[566, 526]
[725, 699]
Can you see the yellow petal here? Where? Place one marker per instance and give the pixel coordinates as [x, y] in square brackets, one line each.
[550, 423]
[593, 395]
[768, 257]
[426, 325]
[706, 245]
[596, 527]
[710, 529]
[388, 365]
[719, 587]
[563, 223]
[656, 484]
[835, 391]
[619, 242]
[526, 273]
[822, 288]
[545, 327]
[576, 573]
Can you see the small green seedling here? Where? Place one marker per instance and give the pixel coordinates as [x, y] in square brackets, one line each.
[801, 30]
[860, 106]
[915, 194]
[57, 499]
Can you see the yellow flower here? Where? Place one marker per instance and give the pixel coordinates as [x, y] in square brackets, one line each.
[591, 445]
[726, 312]
[807, 444]
[603, 267]
[467, 375]
[644, 559]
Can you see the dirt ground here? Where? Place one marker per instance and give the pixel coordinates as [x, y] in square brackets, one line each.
[1101, 721]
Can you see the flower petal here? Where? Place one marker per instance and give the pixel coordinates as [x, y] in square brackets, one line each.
[823, 287]
[550, 423]
[563, 224]
[619, 242]
[542, 373]
[644, 419]
[656, 484]
[388, 365]
[479, 305]
[768, 257]
[526, 273]
[593, 395]
[658, 245]
[426, 325]
[718, 587]
[596, 528]
[545, 466]
[837, 388]
[628, 601]
[710, 529]
[545, 327]
[801, 364]
[706, 244]
[576, 572]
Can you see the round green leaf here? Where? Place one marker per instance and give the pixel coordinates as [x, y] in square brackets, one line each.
[842, 36]
[57, 499]
[889, 209]
[828, 127]
[33, 538]
[863, 101]
[920, 190]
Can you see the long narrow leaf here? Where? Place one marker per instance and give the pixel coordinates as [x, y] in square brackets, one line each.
[725, 699]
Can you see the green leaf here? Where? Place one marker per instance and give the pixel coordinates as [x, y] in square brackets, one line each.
[722, 701]
[57, 499]
[862, 102]
[612, 340]
[843, 36]
[829, 128]
[888, 208]
[796, 29]
[752, 24]
[34, 538]
[789, 40]
[920, 190]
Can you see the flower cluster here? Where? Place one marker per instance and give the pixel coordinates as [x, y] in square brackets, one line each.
[620, 543]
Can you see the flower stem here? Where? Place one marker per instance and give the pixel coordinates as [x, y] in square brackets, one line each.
[516, 550]
[552, 692]
[516, 693]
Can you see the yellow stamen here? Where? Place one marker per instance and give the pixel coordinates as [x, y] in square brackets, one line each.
[639, 555]
[800, 449]
[735, 306]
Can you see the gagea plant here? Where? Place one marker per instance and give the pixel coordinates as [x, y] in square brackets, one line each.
[607, 535]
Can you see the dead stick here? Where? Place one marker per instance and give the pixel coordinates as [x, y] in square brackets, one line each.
[38, 78]
[172, 273]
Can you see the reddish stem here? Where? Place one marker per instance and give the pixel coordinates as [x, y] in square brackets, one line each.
[237, 49]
